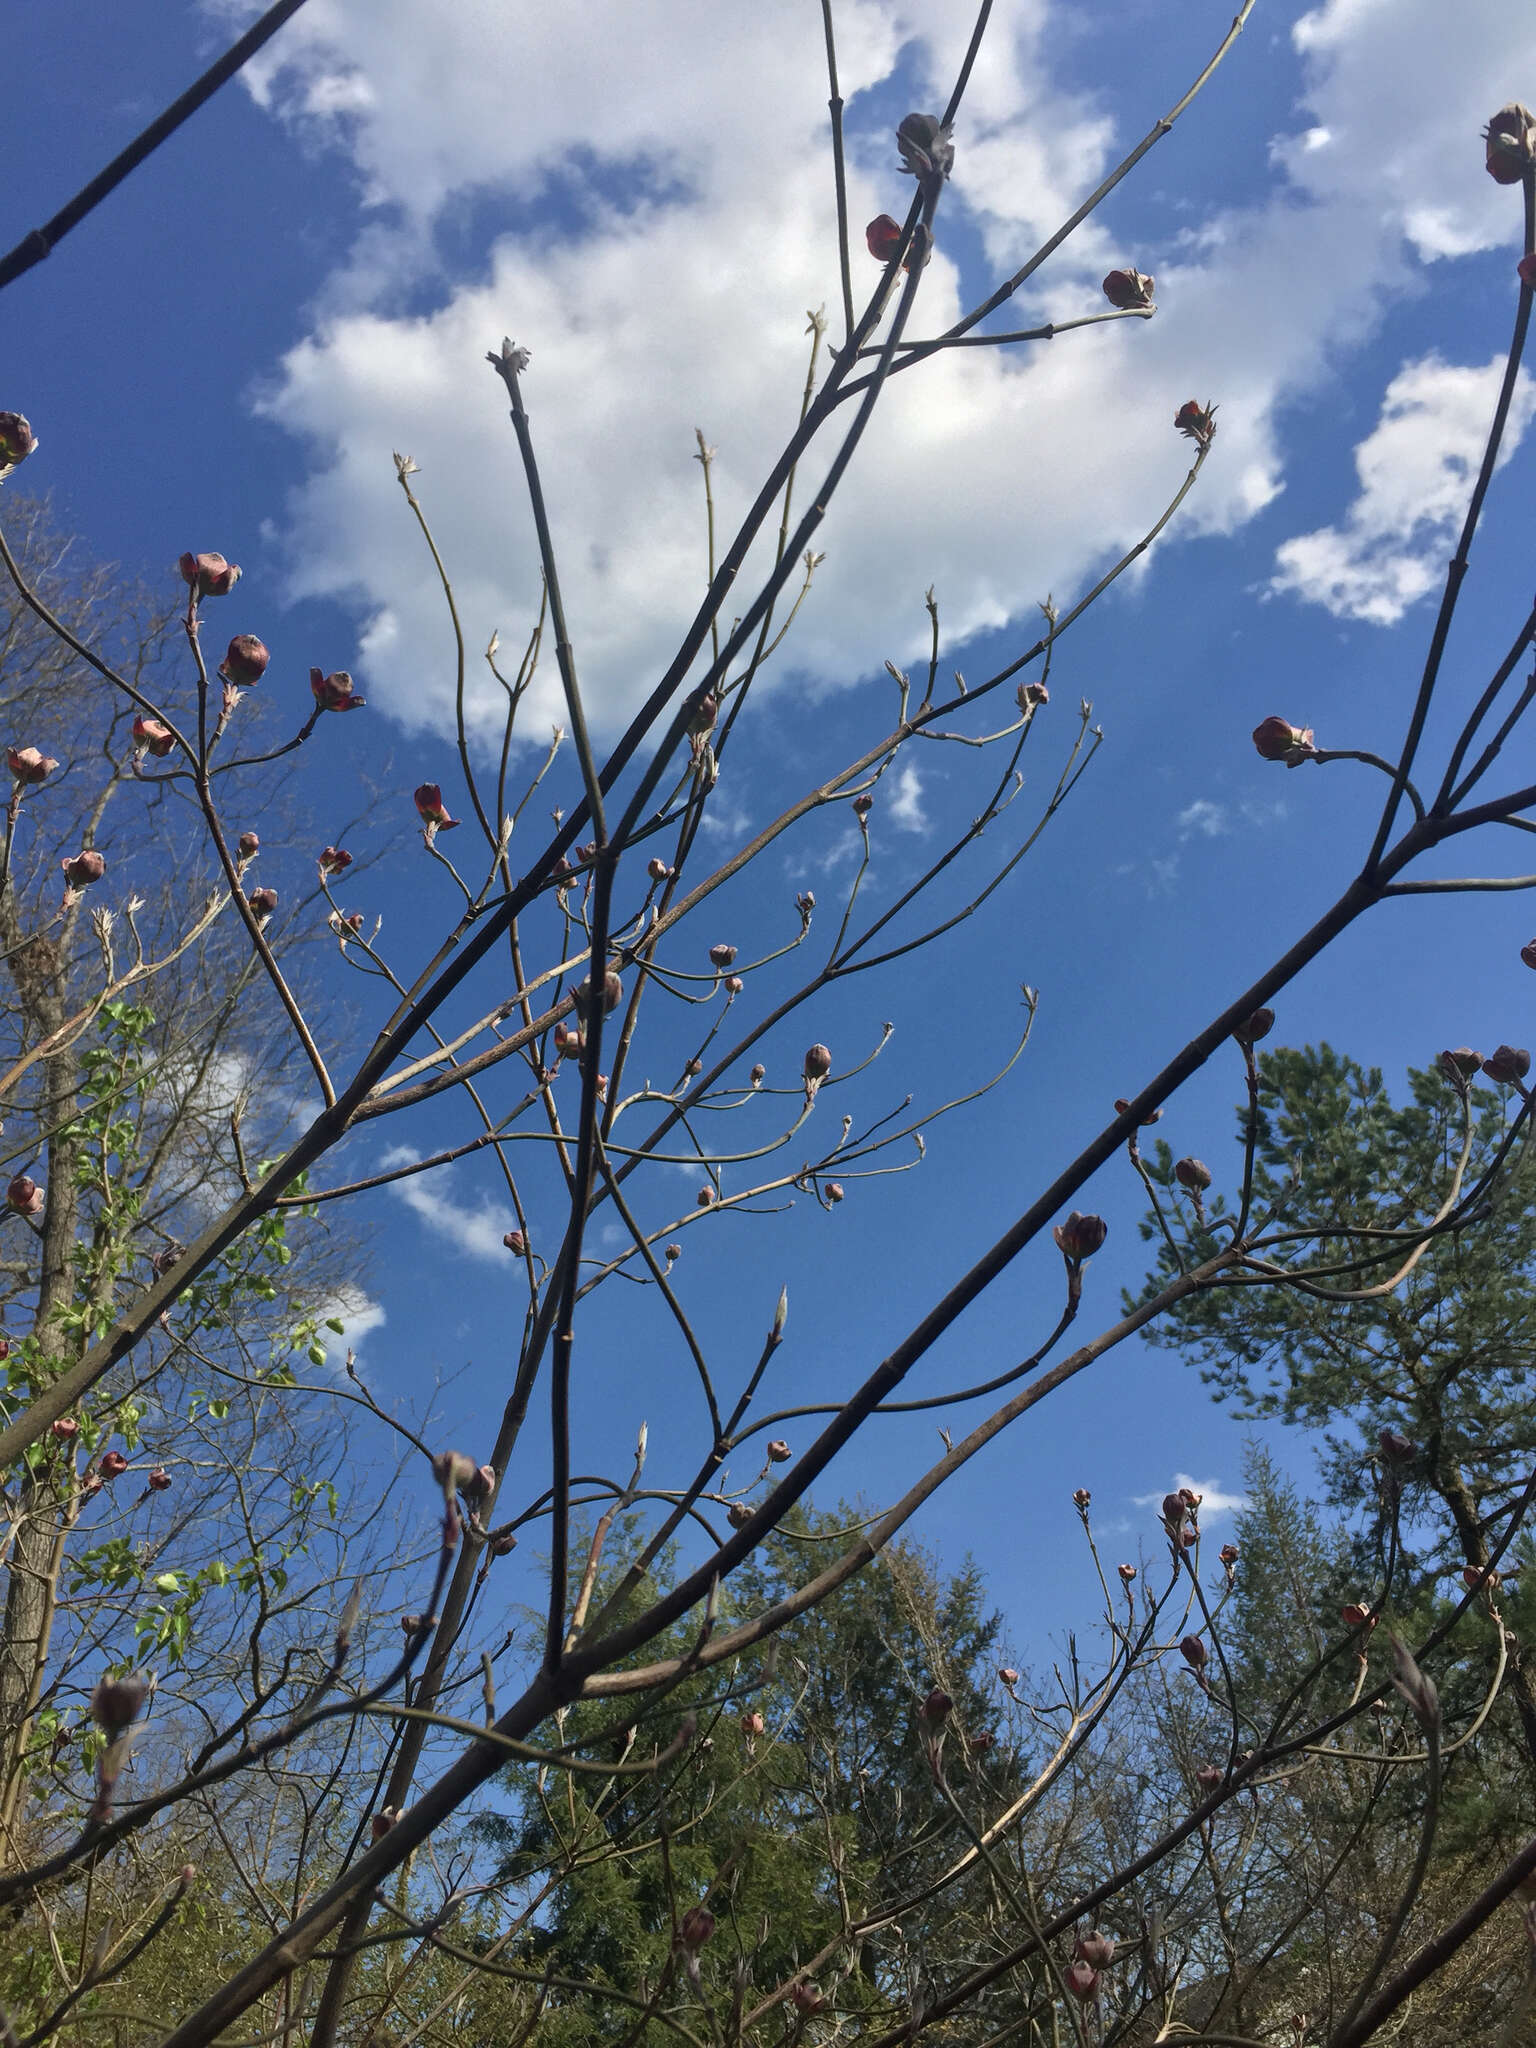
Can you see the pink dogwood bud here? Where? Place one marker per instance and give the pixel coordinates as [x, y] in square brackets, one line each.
[1210, 1778]
[432, 810]
[1007, 1675]
[332, 860]
[863, 805]
[1525, 270]
[935, 1710]
[779, 1452]
[159, 1480]
[209, 575]
[738, 1514]
[705, 1198]
[1082, 1980]
[151, 737]
[1030, 696]
[695, 1928]
[1278, 740]
[734, 984]
[674, 1251]
[1192, 1174]
[248, 845]
[1193, 1651]
[452, 1470]
[1080, 1237]
[112, 1465]
[805, 1998]
[756, 1075]
[118, 1702]
[753, 1725]
[65, 1428]
[1128, 288]
[1396, 1448]
[1258, 1024]
[263, 902]
[1229, 1553]
[1097, 1949]
[882, 237]
[1127, 1572]
[83, 868]
[516, 1243]
[657, 869]
[24, 1196]
[1354, 1615]
[833, 1191]
[245, 661]
[817, 1064]
[1507, 1064]
[17, 440]
[1196, 421]
[1082, 1499]
[334, 692]
[1510, 143]
[29, 766]
[722, 956]
[1122, 1104]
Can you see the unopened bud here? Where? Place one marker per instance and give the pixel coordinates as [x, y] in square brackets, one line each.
[1080, 1237]
[935, 1710]
[1210, 1778]
[1193, 1174]
[334, 692]
[1081, 1499]
[818, 1064]
[1081, 1979]
[150, 736]
[263, 902]
[1007, 1675]
[1510, 143]
[722, 955]
[1255, 1026]
[756, 1075]
[779, 1452]
[452, 1470]
[118, 1702]
[752, 1725]
[706, 1197]
[30, 766]
[1193, 1651]
[1508, 1065]
[24, 1196]
[65, 1428]
[248, 846]
[738, 1514]
[245, 661]
[209, 575]
[1097, 1950]
[695, 1928]
[1127, 1572]
[83, 868]
[17, 440]
[1196, 422]
[1354, 1615]
[1278, 740]
[1396, 1448]
[159, 1480]
[112, 1465]
[515, 1243]
[1125, 289]
[1416, 1687]
[833, 1192]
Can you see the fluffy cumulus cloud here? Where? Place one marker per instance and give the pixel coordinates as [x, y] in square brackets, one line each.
[1215, 1500]
[1416, 469]
[473, 1228]
[653, 217]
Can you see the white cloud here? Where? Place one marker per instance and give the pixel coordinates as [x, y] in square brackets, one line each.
[687, 145]
[1209, 819]
[1415, 468]
[475, 1229]
[360, 1313]
[1215, 1502]
[904, 806]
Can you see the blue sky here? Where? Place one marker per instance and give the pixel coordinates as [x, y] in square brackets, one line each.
[308, 277]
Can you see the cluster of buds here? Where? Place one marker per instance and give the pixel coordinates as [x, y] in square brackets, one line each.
[1197, 422]
[1510, 142]
[262, 902]
[1278, 740]
[332, 860]
[208, 575]
[1126, 290]
[334, 692]
[17, 440]
[1181, 1517]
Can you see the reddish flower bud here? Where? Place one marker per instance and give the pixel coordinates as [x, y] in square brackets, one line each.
[17, 440]
[1081, 1499]
[1193, 1651]
[1356, 1616]
[1007, 1675]
[882, 237]
[1082, 1980]
[382, 1822]
[1508, 1064]
[248, 845]
[1196, 421]
[818, 1064]
[657, 869]
[24, 1196]
[1127, 288]
[752, 1725]
[756, 1075]
[1080, 1237]
[65, 1428]
[1525, 270]
[209, 575]
[263, 902]
[833, 1191]
[705, 1197]
[734, 984]
[1396, 1448]
[482, 1485]
[432, 810]
[118, 1702]
[334, 692]
[1174, 1509]
[515, 1243]
[1476, 1579]
[151, 737]
[1191, 1499]
[333, 860]
[1228, 1553]
[1029, 696]
[702, 723]
[779, 1452]
[924, 145]
[1210, 1778]
[1127, 1572]
[1510, 140]
[1096, 1950]
[452, 1470]
[83, 868]
[1122, 1104]
[934, 1711]
[245, 661]
[1278, 740]
[1458, 1065]
[695, 1928]
[1254, 1027]
[863, 805]
[805, 1998]
[674, 1251]
[738, 1514]
[1193, 1174]
[722, 956]
[29, 766]
[159, 1480]
[112, 1465]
